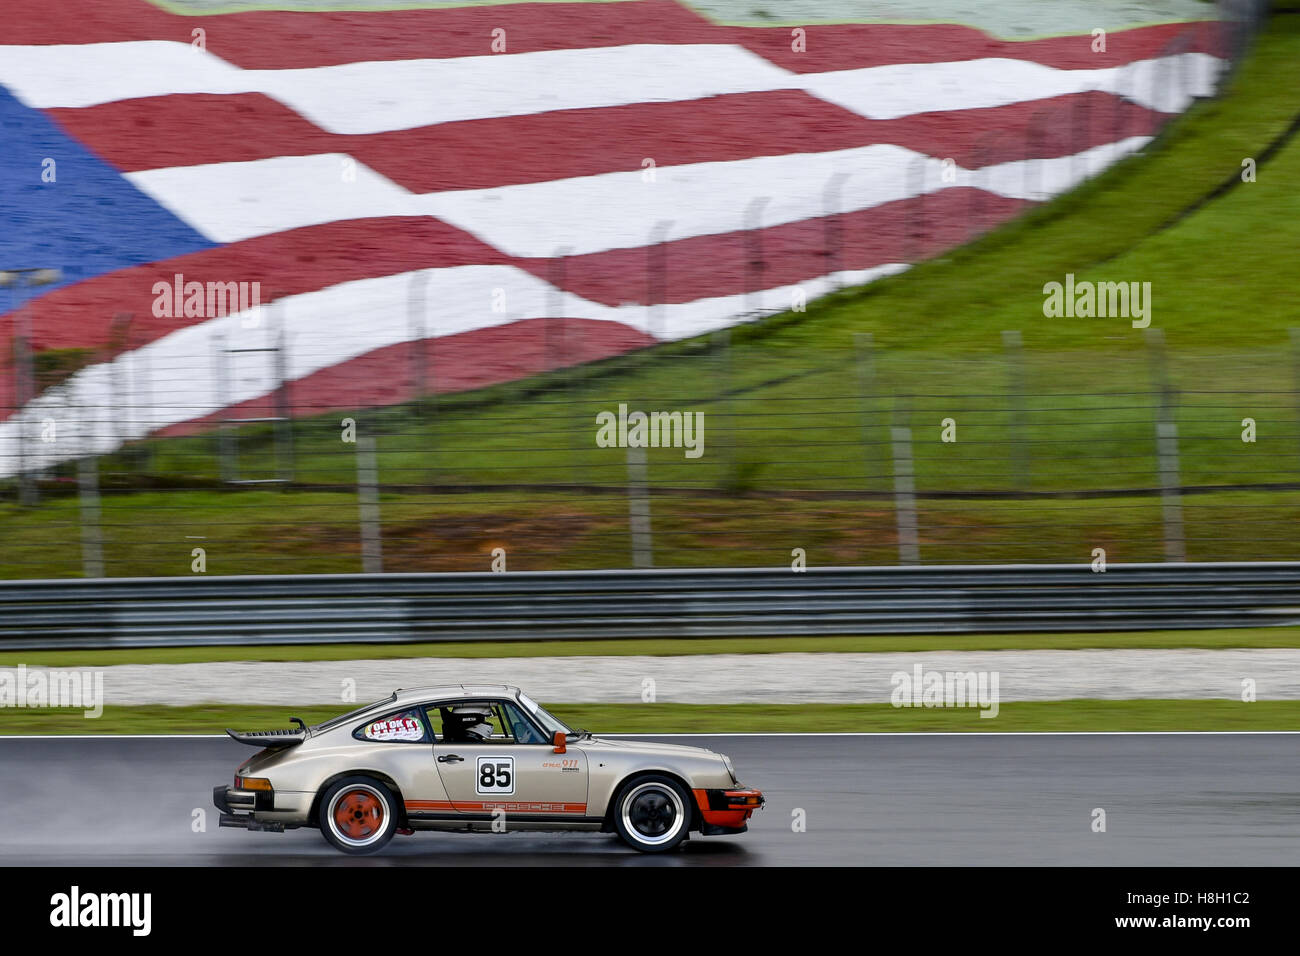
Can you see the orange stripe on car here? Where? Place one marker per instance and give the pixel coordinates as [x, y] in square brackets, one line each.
[487, 806]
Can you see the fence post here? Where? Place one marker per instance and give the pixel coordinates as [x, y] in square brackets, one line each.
[833, 228]
[24, 392]
[756, 264]
[1167, 451]
[283, 405]
[638, 507]
[863, 343]
[1295, 369]
[225, 438]
[417, 330]
[900, 433]
[916, 222]
[372, 558]
[92, 552]
[722, 373]
[142, 390]
[1013, 353]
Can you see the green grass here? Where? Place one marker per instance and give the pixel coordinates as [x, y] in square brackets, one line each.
[793, 437]
[1202, 639]
[1028, 717]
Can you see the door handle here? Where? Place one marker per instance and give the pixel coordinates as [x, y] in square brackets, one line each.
[450, 758]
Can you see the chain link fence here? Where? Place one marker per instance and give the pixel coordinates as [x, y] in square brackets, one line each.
[707, 452]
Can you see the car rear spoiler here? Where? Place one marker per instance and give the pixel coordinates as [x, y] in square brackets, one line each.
[268, 738]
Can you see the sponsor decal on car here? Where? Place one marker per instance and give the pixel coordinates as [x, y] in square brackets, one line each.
[395, 728]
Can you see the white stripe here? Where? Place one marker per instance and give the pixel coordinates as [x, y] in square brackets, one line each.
[391, 94]
[888, 92]
[229, 202]
[325, 328]
[384, 95]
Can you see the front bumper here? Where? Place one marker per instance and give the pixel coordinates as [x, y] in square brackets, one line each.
[727, 811]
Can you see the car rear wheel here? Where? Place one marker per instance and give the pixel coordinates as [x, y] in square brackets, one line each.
[652, 813]
[358, 815]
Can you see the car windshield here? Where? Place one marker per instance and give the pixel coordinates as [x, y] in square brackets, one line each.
[344, 718]
[549, 722]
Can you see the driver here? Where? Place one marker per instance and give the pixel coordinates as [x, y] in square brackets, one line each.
[468, 723]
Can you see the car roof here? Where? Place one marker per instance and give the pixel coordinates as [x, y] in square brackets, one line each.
[419, 695]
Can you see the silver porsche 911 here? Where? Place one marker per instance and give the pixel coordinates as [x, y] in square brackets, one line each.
[478, 758]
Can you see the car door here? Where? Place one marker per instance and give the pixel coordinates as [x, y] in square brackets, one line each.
[515, 770]
[399, 745]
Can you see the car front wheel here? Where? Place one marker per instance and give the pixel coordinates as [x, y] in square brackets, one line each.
[652, 814]
[358, 815]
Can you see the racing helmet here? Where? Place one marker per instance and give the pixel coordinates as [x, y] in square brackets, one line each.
[472, 723]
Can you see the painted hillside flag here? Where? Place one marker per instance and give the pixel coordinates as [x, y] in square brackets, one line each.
[495, 190]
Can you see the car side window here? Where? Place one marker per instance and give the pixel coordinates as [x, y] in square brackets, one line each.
[402, 727]
[519, 726]
[484, 722]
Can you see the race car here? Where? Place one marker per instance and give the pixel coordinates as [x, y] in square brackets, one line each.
[483, 758]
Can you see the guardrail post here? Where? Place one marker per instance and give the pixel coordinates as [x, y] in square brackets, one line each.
[909, 547]
[92, 551]
[372, 558]
[1167, 451]
[1013, 352]
[638, 508]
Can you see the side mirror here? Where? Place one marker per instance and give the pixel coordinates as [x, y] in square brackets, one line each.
[560, 741]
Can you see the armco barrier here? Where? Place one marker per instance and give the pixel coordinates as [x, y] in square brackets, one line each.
[162, 612]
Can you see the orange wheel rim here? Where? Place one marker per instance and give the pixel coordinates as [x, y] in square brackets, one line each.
[358, 814]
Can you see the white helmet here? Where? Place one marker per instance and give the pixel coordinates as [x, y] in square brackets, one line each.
[474, 723]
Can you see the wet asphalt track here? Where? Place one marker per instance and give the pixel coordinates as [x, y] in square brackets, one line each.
[872, 800]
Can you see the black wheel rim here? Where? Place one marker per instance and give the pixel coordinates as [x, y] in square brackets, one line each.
[652, 813]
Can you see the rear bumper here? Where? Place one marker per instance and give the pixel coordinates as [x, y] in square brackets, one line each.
[258, 809]
[230, 800]
[727, 811]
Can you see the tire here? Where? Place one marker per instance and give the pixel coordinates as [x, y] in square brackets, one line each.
[652, 813]
[358, 815]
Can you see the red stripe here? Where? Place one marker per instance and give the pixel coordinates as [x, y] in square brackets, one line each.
[702, 267]
[286, 263]
[316, 257]
[285, 40]
[853, 46]
[276, 40]
[166, 131]
[454, 363]
[718, 265]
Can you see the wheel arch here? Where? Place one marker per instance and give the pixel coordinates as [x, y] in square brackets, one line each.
[607, 826]
[313, 815]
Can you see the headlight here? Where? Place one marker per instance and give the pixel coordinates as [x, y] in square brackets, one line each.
[726, 762]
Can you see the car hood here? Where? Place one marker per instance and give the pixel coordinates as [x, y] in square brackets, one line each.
[642, 746]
